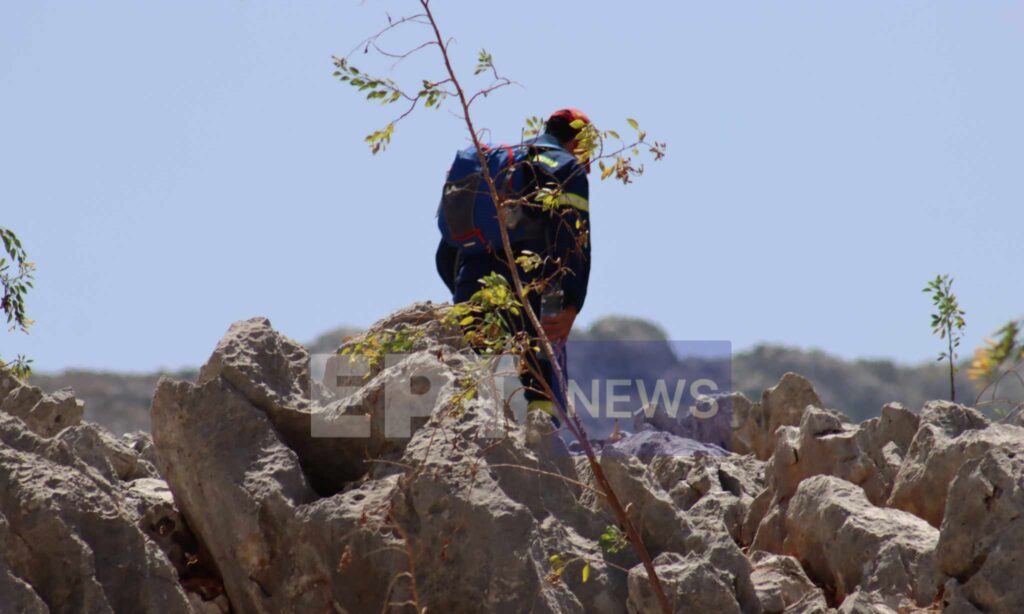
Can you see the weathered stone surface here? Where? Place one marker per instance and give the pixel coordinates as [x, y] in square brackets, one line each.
[955, 602]
[650, 444]
[782, 585]
[746, 422]
[665, 528]
[470, 511]
[868, 602]
[71, 537]
[142, 444]
[754, 425]
[218, 452]
[845, 542]
[273, 373]
[474, 519]
[711, 486]
[43, 414]
[981, 543]
[107, 454]
[867, 455]
[153, 507]
[661, 524]
[692, 582]
[15, 594]
[949, 436]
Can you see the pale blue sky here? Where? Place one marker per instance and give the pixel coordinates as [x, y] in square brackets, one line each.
[175, 166]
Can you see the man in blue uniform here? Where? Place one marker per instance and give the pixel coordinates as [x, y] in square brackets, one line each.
[561, 238]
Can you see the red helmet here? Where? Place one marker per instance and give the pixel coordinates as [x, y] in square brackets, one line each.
[568, 116]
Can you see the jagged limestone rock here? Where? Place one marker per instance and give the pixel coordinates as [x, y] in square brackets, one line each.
[109, 455]
[755, 424]
[44, 414]
[950, 435]
[782, 585]
[982, 535]
[238, 485]
[667, 529]
[869, 602]
[16, 595]
[473, 518]
[712, 486]
[845, 542]
[70, 535]
[693, 582]
[470, 507]
[867, 455]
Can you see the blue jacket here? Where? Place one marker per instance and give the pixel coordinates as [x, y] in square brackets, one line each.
[565, 237]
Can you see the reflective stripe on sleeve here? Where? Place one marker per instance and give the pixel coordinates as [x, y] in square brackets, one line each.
[546, 160]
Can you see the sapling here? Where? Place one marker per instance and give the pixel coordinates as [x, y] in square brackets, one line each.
[947, 322]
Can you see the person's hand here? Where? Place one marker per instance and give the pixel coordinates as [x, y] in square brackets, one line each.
[558, 327]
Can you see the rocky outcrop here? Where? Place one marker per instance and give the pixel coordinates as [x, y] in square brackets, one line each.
[982, 534]
[711, 486]
[70, 535]
[692, 582]
[783, 586]
[754, 424]
[114, 458]
[868, 455]
[43, 414]
[845, 542]
[385, 485]
[745, 427]
[458, 515]
[86, 524]
[950, 435]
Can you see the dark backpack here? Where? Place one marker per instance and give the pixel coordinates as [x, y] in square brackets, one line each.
[467, 216]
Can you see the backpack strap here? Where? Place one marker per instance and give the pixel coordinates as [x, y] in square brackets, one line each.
[509, 170]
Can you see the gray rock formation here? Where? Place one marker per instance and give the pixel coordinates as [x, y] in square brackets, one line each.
[982, 536]
[845, 542]
[711, 486]
[868, 454]
[263, 490]
[692, 582]
[950, 435]
[44, 414]
[71, 536]
[86, 524]
[451, 515]
[782, 585]
[754, 424]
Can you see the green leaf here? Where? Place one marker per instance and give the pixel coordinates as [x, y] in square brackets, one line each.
[586, 572]
[632, 122]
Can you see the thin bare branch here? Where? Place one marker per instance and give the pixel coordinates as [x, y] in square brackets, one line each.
[418, 18]
[573, 421]
[550, 474]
